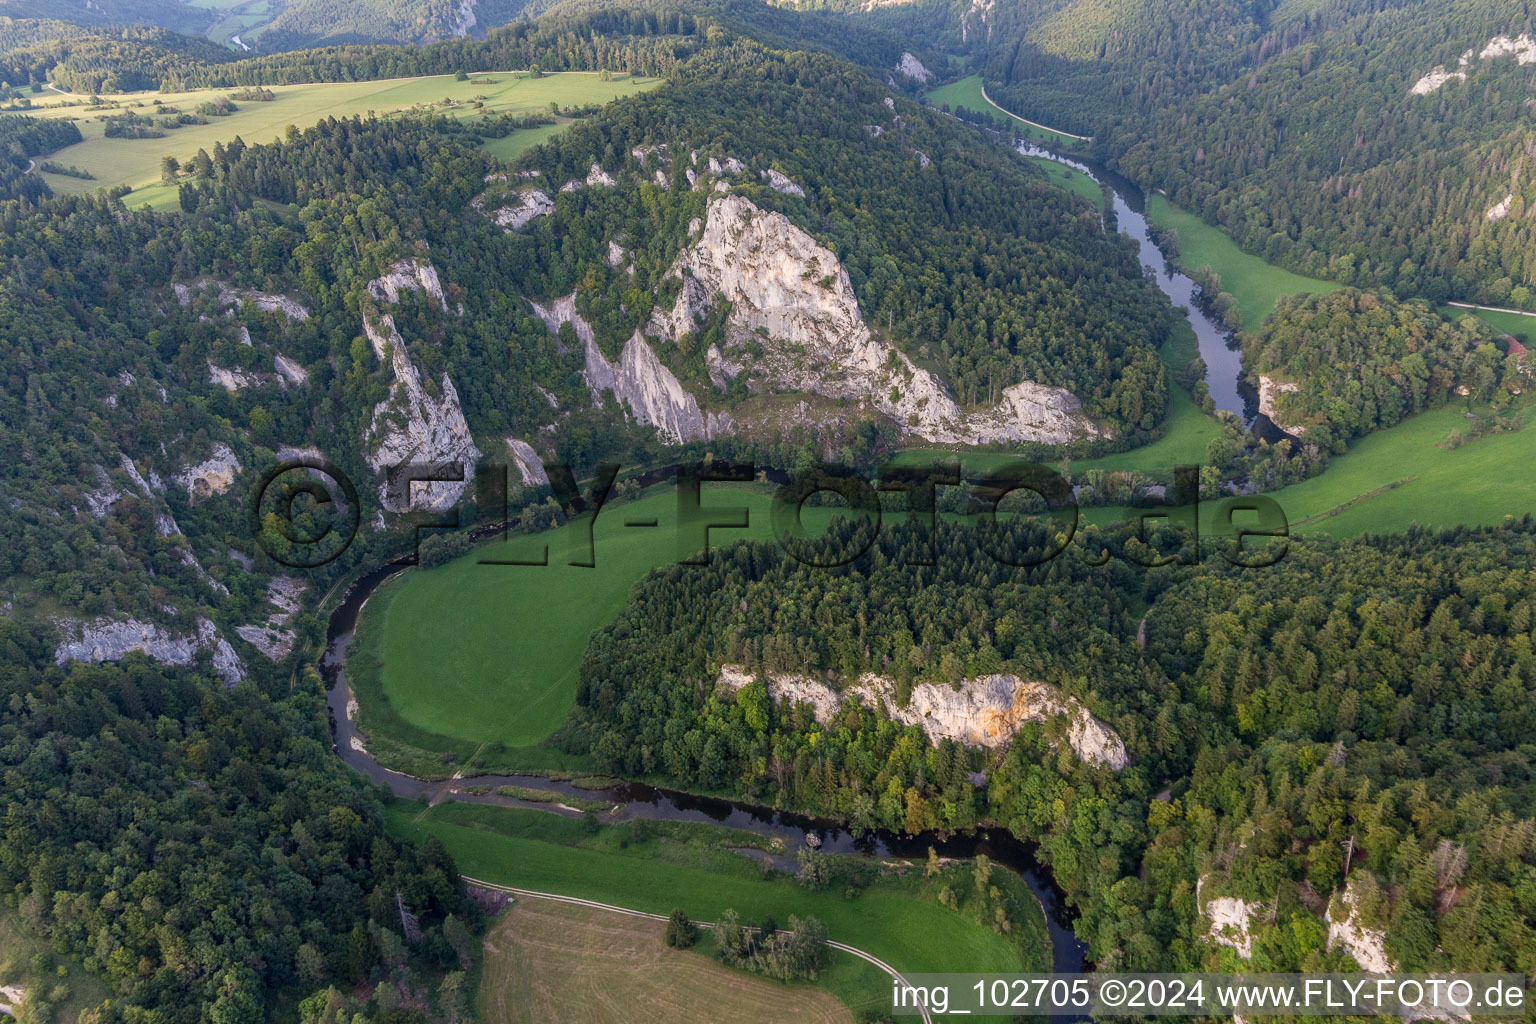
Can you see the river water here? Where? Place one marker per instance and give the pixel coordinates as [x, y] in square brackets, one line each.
[636, 800]
[1223, 362]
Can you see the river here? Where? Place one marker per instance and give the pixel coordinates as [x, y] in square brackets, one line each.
[1223, 362]
[637, 800]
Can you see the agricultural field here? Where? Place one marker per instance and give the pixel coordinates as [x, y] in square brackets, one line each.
[897, 918]
[506, 673]
[1256, 285]
[136, 162]
[967, 93]
[556, 962]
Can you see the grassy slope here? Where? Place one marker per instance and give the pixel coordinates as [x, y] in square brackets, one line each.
[136, 162]
[892, 920]
[557, 962]
[1255, 284]
[967, 93]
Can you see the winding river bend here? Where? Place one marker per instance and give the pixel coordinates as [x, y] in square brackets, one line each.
[636, 800]
[1223, 363]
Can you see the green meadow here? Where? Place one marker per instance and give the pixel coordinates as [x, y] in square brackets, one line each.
[1256, 285]
[136, 162]
[967, 93]
[897, 918]
[473, 661]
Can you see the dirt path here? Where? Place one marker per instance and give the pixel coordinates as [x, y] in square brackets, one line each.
[1037, 124]
[887, 968]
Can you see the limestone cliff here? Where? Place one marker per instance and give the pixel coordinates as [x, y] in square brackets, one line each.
[107, 640]
[1271, 389]
[1366, 945]
[211, 476]
[413, 426]
[275, 638]
[783, 284]
[983, 712]
[639, 381]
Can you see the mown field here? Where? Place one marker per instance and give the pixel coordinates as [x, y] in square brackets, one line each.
[967, 93]
[558, 963]
[897, 918]
[136, 162]
[1256, 285]
[470, 655]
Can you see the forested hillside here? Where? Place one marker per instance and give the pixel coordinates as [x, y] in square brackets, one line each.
[1373, 144]
[1368, 698]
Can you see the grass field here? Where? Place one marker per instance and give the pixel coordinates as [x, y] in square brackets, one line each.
[136, 162]
[567, 964]
[1073, 181]
[895, 918]
[1521, 326]
[967, 93]
[1255, 284]
[505, 670]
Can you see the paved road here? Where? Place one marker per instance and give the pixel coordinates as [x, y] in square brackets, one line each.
[887, 968]
[1037, 124]
[1491, 309]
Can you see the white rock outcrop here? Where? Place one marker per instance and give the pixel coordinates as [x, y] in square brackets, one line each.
[530, 203]
[781, 182]
[289, 371]
[106, 640]
[782, 283]
[1522, 48]
[234, 381]
[413, 427]
[1230, 918]
[1366, 945]
[227, 296]
[983, 712]
[598, 178]
[275, 639]
[408, 275]
[913, 68]
[1500, 210]
[639, 380]
[1434, 80]
[529, 466]
[213, 475]
[1271, 389]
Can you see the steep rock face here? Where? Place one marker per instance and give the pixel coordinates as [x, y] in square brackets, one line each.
[411, 426]
[265, 301]
[1366, 945]
[781, 182]
[913, 68]
[414, 274]
[1270, 390]
[982, 712]
[782, 282]
[235, 380]
[103, 640]
[289, 371]
[530, 203]
[1230, 921]
[275, 639]
[213, 475]
[414, 427]
[639, 380]
[527, 461]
